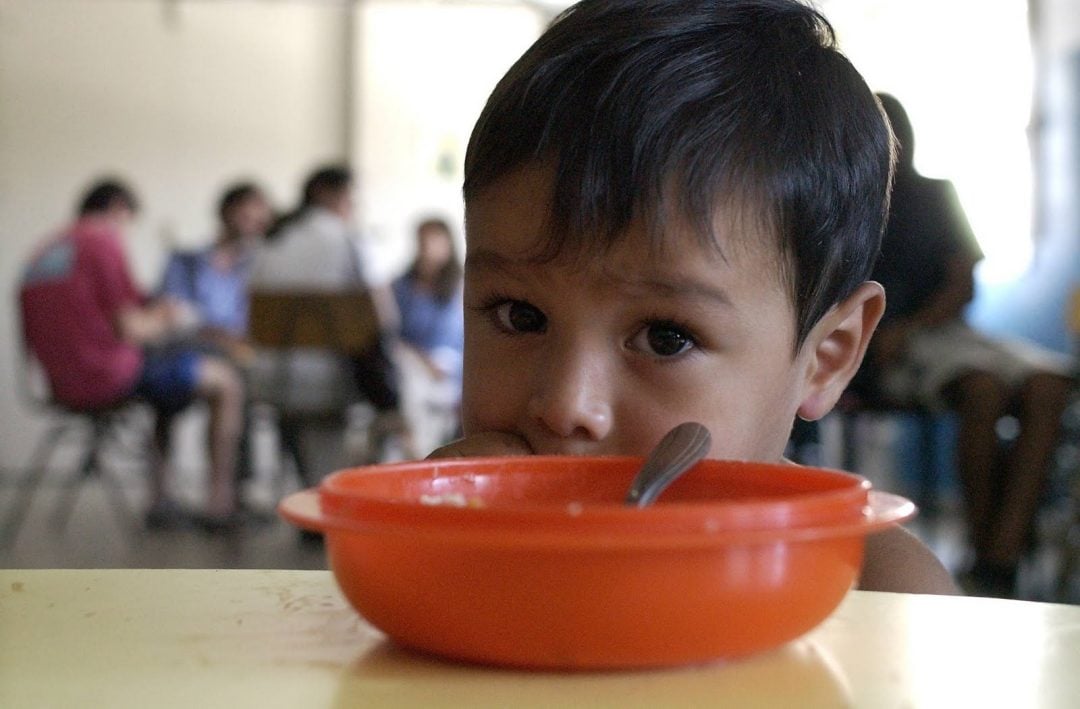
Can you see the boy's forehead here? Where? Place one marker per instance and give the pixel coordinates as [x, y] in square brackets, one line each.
[519, 201]
[514, 212]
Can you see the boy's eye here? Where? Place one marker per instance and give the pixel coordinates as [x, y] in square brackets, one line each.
[663, 339]
[519, 316]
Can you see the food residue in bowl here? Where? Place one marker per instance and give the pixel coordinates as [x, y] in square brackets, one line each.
[451, 499]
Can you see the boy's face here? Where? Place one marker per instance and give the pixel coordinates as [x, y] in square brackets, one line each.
[604, 355]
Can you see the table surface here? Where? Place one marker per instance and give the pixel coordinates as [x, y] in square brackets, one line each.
[165, 638]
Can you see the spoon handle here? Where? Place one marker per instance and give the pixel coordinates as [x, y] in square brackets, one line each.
[677, 452]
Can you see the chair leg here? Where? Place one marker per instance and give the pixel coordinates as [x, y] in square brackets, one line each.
[85, 470]
[849, 425]
[1066, 539]
[29, 485]
[119, 500]
[1067, 566]
[291, 446]
[92, 466]
[927, 482]
[112, 486]
[1069, 542]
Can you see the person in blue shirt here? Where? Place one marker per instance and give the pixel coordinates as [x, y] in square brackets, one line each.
[431, 336]
[214, 281]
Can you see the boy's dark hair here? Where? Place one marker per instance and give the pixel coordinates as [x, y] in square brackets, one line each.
[729, 102]
[106, 193]
[235, 195]
[902, 132]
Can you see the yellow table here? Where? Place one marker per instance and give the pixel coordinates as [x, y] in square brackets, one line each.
[150, 638]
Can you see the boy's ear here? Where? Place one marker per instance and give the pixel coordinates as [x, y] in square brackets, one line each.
[836, 346]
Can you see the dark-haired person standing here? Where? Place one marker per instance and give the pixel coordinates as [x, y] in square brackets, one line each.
[93, 330]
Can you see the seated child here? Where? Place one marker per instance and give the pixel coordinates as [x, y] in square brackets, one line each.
[672, 208]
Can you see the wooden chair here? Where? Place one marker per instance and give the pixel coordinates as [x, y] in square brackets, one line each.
[280, 322]
[341, 322]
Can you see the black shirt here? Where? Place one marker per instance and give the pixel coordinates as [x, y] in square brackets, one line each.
[926, 228]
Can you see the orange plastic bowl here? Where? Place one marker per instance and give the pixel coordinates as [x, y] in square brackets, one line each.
[535, 562]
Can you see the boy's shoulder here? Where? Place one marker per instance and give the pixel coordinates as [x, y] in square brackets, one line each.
[896, 561]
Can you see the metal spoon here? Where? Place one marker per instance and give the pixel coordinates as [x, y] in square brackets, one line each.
[677, 452]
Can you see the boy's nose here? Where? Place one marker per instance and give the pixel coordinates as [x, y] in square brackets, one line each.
[570, 398]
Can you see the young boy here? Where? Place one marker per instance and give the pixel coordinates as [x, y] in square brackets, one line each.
[672, 207]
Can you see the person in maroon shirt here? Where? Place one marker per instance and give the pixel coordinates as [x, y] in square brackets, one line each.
[100, 342]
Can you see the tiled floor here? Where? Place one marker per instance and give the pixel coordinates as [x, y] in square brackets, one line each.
[96, 536]
[99, 535]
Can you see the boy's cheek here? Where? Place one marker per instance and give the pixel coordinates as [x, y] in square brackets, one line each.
[485, 444]
[495, 393]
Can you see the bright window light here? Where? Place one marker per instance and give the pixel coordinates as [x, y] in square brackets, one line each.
[967, 88]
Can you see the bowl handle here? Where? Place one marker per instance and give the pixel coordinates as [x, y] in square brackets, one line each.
[884, 508]
[302, 509]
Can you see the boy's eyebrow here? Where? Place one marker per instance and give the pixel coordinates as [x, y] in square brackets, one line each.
[667, 286]
[680, 287]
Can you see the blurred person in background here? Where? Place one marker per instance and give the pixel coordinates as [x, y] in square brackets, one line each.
[213, 281]
[96, 336]
[925, 354]
[431, 338]
[316, 247]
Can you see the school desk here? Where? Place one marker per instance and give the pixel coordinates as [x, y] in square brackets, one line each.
[249, 638]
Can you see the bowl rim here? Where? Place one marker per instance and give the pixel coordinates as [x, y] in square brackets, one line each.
[851, 508]
[883, 509]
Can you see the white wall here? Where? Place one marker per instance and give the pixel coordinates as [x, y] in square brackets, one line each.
[425, 70]
[179, 100]
[183, 96]
[968, 91]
